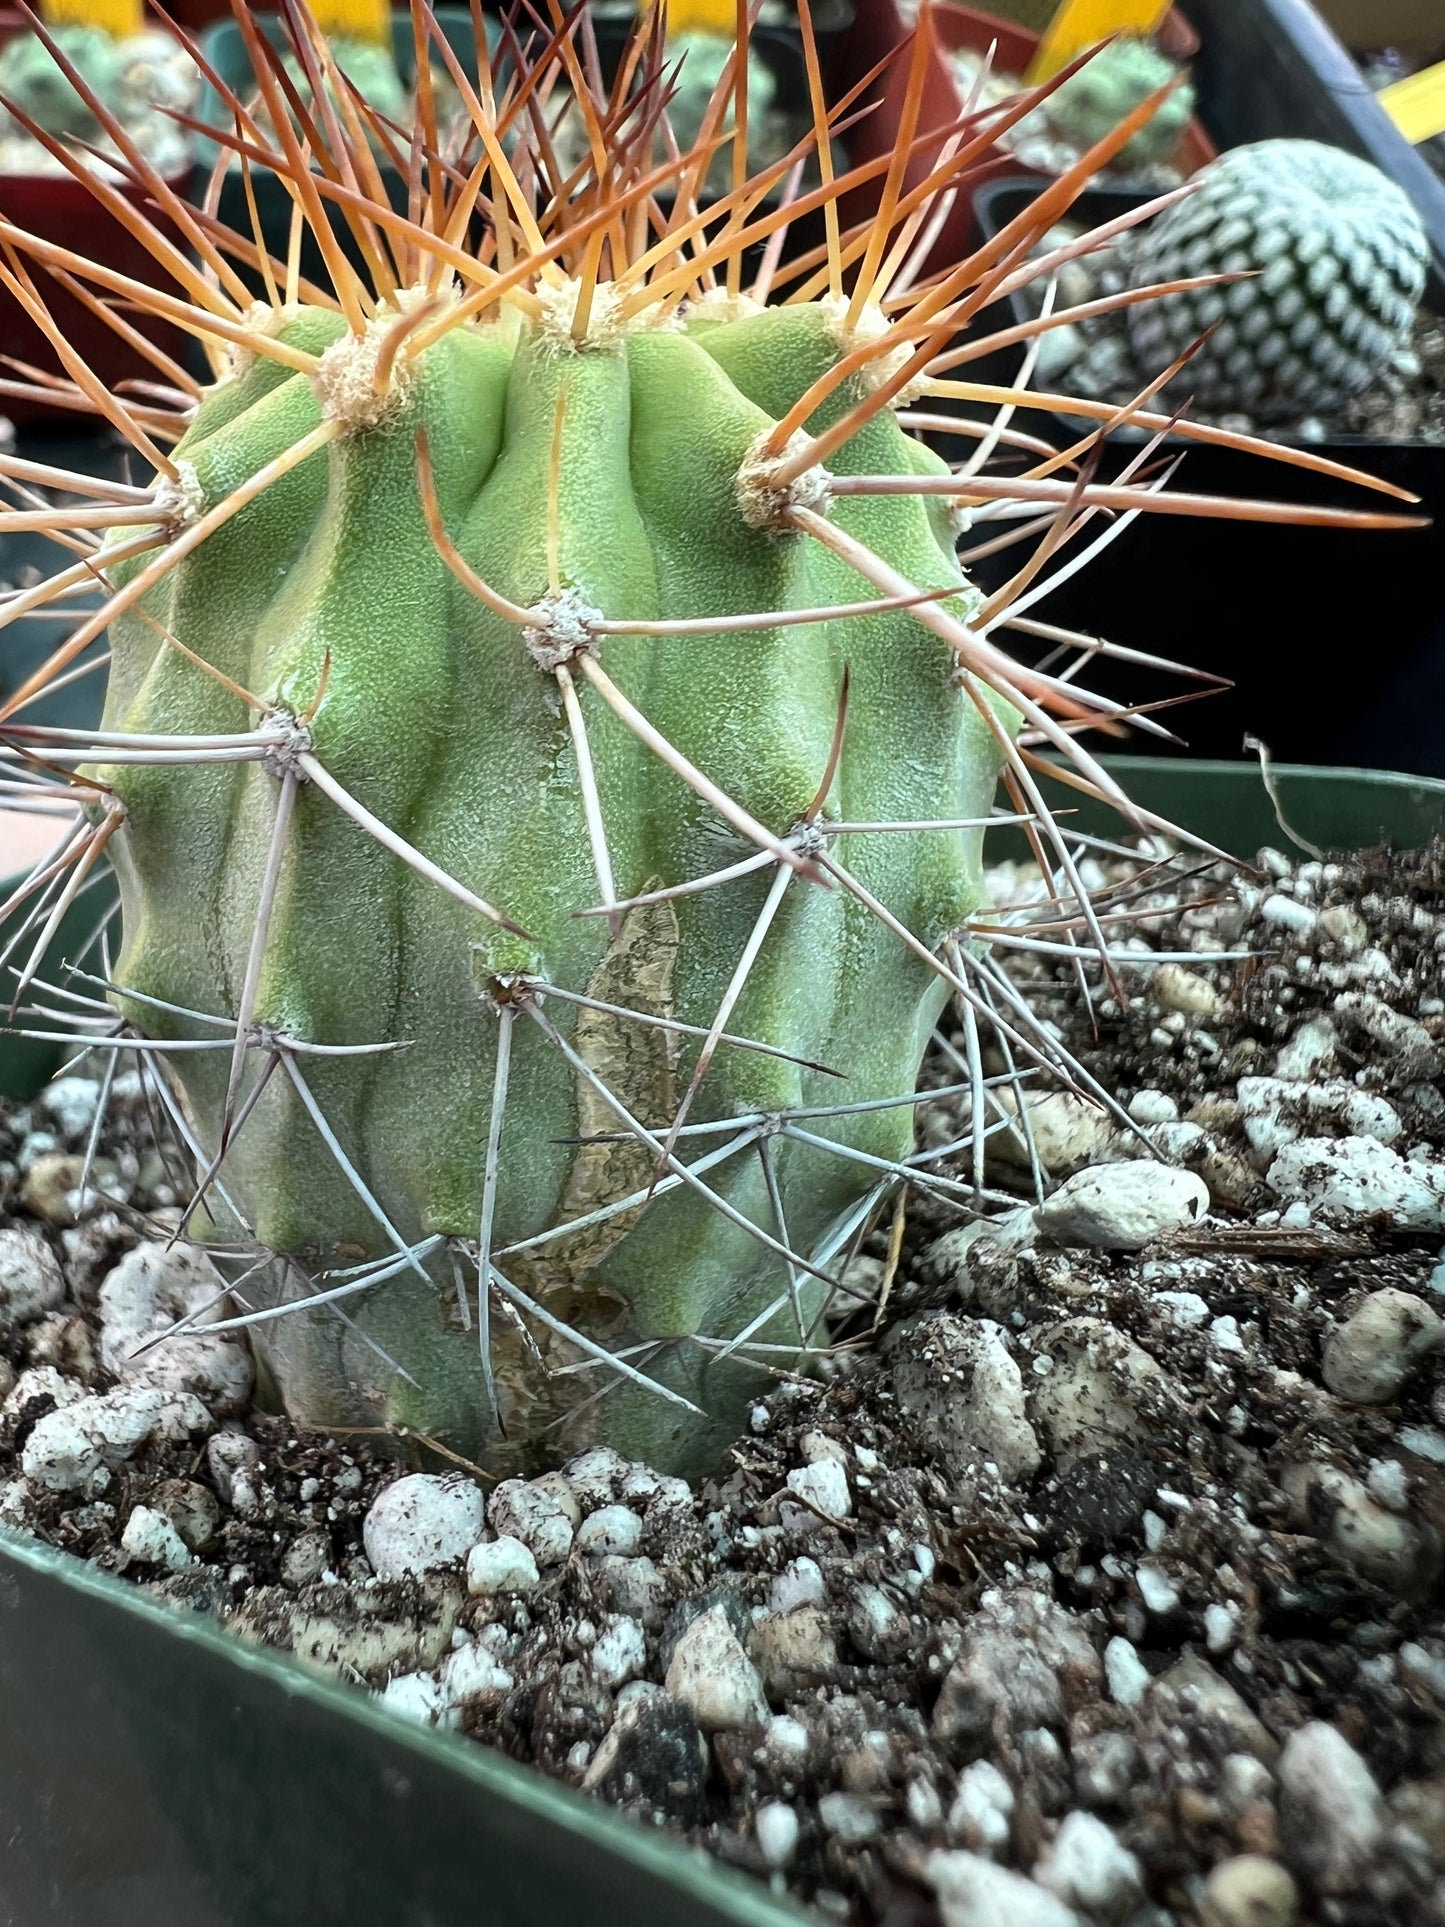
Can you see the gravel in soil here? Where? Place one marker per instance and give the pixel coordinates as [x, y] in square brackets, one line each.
[1096, 1579]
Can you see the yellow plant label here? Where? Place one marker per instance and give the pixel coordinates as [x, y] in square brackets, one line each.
[355, 19]
[702, 16]
[1084, 23]
[122, 18]
[1417, 103]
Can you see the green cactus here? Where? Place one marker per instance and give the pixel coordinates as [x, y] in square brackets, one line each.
[1336, 258]
[89, 78]
[1110, 85]
[443, 718]
[370, 68]
[703, 57]
[546, 745]
[32, 79]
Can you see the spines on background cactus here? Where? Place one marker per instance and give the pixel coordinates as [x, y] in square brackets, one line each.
[1335, 256]
[547, 741]
[1109, 85]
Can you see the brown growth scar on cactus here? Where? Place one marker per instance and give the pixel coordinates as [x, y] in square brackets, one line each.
[483, 649]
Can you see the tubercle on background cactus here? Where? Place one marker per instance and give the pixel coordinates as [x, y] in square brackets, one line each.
[547, 746]
[1338, 260]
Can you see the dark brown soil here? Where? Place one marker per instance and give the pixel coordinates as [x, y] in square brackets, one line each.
[1216, 1550]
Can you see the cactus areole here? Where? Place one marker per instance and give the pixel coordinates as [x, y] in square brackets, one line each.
[546, 745]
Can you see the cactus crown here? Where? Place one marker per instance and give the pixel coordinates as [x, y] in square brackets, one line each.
[549, 733]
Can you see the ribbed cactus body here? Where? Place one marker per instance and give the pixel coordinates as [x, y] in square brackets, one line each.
[1337, 259]
[603, 482]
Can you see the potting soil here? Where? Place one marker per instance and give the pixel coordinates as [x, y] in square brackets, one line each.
[1092, 1575]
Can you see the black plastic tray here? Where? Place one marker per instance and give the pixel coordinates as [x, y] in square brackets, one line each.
[1272, 67]
[1334, 642]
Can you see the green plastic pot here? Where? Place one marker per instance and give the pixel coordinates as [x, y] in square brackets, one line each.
[1337, 809]
[156, 1769]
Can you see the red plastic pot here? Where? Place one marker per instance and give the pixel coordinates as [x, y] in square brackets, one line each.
[60, 209]
[196, 15]
[883, 25]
